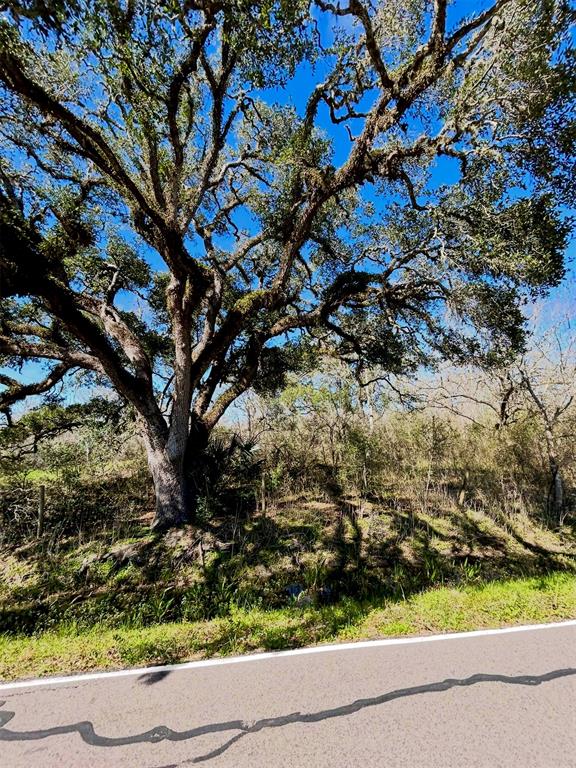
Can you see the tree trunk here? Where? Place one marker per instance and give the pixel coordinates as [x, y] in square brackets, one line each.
[556, 474]
[167, 477]
[169, 489]
[550, 422]
[177, 475]
[194, 466]
[557, 487]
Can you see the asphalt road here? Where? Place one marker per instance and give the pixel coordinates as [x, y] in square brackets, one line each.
[506, 699]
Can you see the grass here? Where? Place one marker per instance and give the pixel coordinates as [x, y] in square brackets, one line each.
[94, 595]
[72, 648]
[120, 578]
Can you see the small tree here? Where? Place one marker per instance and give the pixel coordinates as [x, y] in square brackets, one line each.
[546, 376]
[538, 386]
[169, 229]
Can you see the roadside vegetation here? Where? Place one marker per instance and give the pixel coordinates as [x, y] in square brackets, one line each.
[323, 518]
[287, 348]
[71, 649]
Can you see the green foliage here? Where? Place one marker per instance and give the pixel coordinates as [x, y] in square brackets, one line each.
[273, 36]
[52, 419]
[73, 648]
[277, 362]
[353, 509]
[225, 477]
[49, 15]
[175, 234]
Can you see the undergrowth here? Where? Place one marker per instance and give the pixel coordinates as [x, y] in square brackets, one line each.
[73, 648]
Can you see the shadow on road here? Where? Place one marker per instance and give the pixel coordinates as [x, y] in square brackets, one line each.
[85, 728]
[150, 678]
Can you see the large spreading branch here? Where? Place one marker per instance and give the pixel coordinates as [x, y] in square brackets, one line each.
[174, 151]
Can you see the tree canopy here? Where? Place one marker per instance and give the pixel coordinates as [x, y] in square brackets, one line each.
[197, 195]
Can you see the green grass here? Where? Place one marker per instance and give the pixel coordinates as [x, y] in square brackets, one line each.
[32, 476]
[73, 649]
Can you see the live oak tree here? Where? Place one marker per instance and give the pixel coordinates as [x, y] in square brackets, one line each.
[197, 194]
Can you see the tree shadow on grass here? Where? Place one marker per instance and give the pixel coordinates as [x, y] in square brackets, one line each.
[418, 552]
[332, 550]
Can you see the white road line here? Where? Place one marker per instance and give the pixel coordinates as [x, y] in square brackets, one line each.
[282, 654]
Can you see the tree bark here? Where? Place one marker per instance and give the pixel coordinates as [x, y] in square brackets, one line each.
[169, 489]
[558, 495]
[177, 476]
[167, 476]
